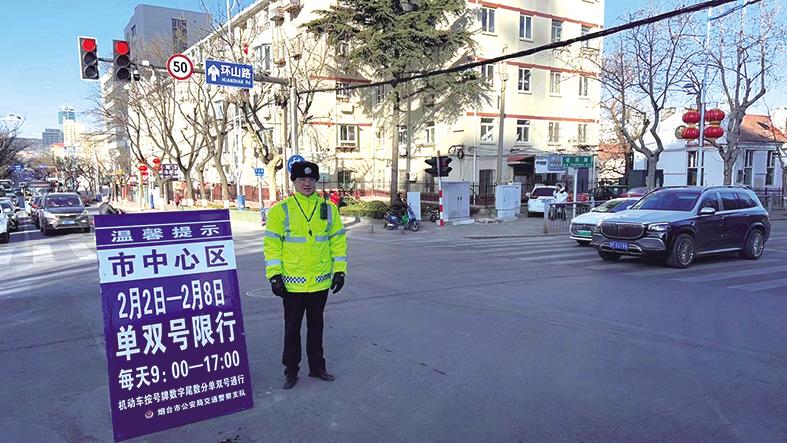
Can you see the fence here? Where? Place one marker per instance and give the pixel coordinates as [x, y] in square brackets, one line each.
[773, 202]
[557, 216]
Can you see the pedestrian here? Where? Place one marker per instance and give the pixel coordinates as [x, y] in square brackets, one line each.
[305, 256]
[335, 199]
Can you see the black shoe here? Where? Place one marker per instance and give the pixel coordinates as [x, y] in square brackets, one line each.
[289, 382]
[322, 375]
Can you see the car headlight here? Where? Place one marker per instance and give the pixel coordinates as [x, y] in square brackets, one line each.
[658, 227]
[49, 216]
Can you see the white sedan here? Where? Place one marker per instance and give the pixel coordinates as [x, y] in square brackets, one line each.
[582, 226]
[536, 199]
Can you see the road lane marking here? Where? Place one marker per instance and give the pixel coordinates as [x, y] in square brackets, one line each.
[731, 275]
[695, 268]
[42, 252]
[763, 285]
[83, 252]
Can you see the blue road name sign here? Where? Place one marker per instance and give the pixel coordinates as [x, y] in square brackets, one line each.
[259, 172]
[294, 159]
[229, 74]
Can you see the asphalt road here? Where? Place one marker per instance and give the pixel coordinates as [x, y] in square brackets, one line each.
[495, 340]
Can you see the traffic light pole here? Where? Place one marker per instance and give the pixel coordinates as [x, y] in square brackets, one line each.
[440, 191]
[257, 77]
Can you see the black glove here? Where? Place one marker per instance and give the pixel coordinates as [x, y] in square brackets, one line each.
[277, 286]
[338, 282]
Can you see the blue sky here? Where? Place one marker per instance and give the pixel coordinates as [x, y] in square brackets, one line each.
[39, 71]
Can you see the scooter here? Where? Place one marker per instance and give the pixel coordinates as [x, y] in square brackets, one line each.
[408, 221]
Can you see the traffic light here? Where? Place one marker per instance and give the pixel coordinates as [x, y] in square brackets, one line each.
[444, 168]
[121, 59]
[88, 58]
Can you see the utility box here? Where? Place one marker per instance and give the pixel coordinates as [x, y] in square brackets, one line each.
[508, 200]
[414, 200]
[456, 201]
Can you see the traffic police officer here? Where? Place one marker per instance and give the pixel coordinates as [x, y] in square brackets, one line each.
[305, 256]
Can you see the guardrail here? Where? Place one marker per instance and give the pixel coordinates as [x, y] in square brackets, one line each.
[773, 202]
[557, 216]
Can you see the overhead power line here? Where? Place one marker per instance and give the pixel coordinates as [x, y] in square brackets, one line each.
[554, 45]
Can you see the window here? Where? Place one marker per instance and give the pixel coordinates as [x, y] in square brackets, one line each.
[488, 74]
[554, 83]
[348, 135]
[342, 93]
[523, 131]
[525, 27]
[429, 133]
[711, 200]
[218, 109]
[729, 201]
[180, 37]
[488, 20]
[403, 135]
[585, 31]
[487, 130]
[263, 56]
[583, 86]
[134, 31]
[748, 167]
[343, 50]
[745, 201]
[691, 168]
[770, 168]
[524, 80]
[345, 178]
[582, 133]
[379, 95]
[557, 30]
[669, 200]
[554, 132]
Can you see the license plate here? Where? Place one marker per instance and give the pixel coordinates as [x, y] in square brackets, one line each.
[619, 245]
[584, 233]
[67, 222]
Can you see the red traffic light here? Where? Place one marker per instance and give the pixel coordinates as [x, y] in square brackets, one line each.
[88, 44]
[121, 47]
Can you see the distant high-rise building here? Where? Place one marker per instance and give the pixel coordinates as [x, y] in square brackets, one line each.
[66, 113]
[51, 136]
[155, 32]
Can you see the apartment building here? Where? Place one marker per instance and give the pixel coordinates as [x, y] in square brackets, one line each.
[551, 97]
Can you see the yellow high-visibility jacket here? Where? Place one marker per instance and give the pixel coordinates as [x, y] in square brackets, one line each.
[306, 253]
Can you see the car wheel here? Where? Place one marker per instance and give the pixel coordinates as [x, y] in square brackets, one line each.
[5, 237]
[44, 230]
[583, 243]
[86, 230]
[754, 245]
[682, 253]
[609, 256]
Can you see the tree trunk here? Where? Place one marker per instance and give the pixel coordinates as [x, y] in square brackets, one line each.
[395, 149]
[650, 180]
[202, 186]
[189, 185]
[225, 187]
[729, 167]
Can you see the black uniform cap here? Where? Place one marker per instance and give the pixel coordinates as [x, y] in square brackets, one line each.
[304, 170]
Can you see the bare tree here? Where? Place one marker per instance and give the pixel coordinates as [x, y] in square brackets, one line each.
[642, 67]
[10, 144]
[745, 53]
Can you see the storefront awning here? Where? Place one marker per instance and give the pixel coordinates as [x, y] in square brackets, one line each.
[518, 159]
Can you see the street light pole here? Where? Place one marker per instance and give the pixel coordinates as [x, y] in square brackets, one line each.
[703, 92]
[501, 118]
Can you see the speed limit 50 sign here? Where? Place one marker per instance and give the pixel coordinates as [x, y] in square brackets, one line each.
[180, 67]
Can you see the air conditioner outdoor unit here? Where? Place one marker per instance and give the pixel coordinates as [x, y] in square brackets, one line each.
[347, 108]
[292, 5]
[277, 15]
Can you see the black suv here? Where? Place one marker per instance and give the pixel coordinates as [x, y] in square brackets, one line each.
[681, 223]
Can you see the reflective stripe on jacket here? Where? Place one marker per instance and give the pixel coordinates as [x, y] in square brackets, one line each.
[305, 261]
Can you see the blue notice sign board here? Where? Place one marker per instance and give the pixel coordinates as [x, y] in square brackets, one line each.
[229, 74]
[294, 159]
[259, 172]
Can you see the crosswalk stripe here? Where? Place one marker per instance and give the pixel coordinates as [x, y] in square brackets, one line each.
[695, 268]
[763, 285]
[8, 251]
[82, 251]
[42, 252]
[731, 275]
[551, 257]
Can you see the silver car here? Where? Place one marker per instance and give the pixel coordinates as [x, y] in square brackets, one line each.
[63, 210]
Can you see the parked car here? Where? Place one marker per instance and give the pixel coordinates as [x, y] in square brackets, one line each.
[635, 192]
[63, 210]
[536, 199]
[607, 192]
[5, 228]
[35, 206]
[582, 226]
[10, 211]
[679, 224]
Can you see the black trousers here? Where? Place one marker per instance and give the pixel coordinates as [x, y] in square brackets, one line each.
[295, 305]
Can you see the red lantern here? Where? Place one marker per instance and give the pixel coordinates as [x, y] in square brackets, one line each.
[143, 168]
[156, 160]
[691, 117]
[714, 131]
[691, 133]
[156, 167]
[714, 115]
